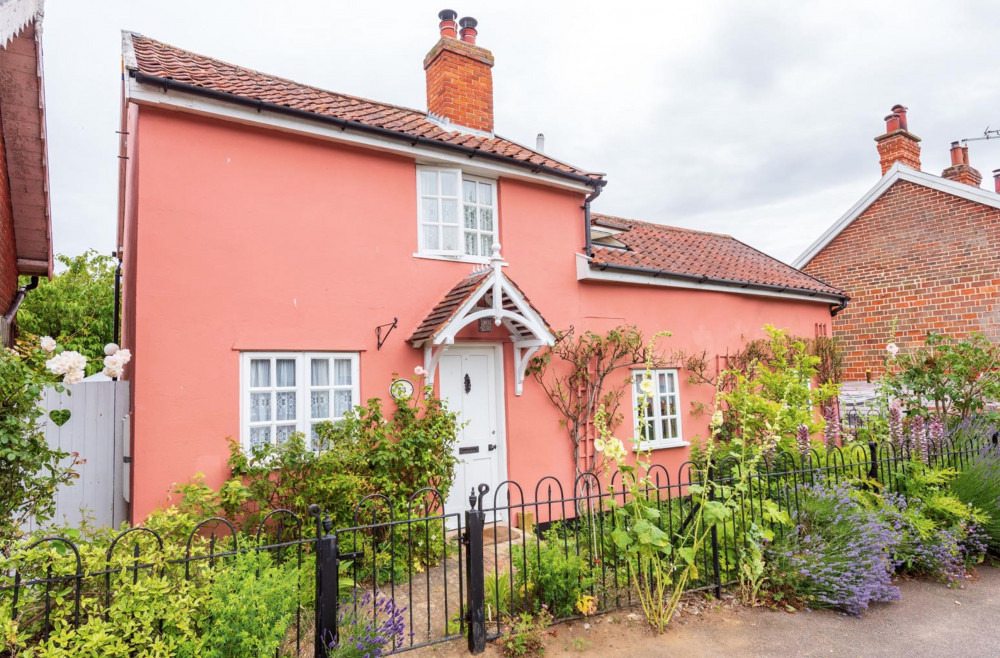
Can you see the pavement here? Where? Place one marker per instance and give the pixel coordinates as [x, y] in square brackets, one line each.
[931, 619]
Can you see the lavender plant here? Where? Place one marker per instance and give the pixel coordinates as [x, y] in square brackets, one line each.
[838, 556]
[979, 485]
[369, 627]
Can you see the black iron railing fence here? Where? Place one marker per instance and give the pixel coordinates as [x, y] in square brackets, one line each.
[458, 575]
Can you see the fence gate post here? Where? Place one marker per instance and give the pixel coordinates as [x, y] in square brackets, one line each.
[475, 521]
[873, 468]
[327, 584]
[715, 540]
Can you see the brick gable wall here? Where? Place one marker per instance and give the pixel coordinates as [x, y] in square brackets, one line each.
[927, 258]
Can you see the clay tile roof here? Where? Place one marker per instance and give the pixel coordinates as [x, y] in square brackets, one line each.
[446, 309]
[701, 254]
[161, 60]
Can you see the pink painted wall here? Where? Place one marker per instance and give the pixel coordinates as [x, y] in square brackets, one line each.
[255, 240]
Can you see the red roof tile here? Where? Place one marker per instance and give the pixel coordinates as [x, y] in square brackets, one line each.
[161, 60]
[699, 254]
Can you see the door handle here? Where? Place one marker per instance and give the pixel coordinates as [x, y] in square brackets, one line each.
[493, 446]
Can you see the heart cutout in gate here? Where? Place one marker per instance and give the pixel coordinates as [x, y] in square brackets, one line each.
[59, 416]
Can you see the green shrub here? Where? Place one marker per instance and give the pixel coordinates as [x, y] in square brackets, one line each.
[552, 573]
[526, 635]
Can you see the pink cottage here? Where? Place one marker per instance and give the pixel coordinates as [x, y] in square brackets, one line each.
[268, 228]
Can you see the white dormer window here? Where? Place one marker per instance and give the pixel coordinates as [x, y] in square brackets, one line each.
[456, 214]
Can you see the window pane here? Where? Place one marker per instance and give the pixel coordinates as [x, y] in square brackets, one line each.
[341, 403]
[342, 372]
[320, 407]
[284, 406]
[431, 237]
[486, 219]
[487, 245]
[662, 379]
[449, 183]
[674, 434]
[260, 435]
[449, 238]
[428, 182]
[470, 243]
[283, 432]
[486, 194]
[260, 372]
[430, 210]
[320, 372]
[671, 382]
[260, 407]
[449, 211]
[664, 405]
[285, 369]
[470, 217]
[469, 191]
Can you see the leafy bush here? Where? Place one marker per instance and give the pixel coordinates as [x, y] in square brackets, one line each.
[526, 635]
[76, 307]
[552, 573]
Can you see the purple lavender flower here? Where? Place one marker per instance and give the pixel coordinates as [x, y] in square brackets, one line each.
[372, 627]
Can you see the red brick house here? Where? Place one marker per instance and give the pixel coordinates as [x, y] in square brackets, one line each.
[25, 223]
[919, 250]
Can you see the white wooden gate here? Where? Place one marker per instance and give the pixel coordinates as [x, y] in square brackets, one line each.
[97, 429]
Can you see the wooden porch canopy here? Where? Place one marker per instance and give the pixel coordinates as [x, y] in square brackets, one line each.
[486, 293]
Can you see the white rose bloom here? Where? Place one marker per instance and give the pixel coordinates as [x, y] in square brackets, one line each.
[110, 349]
[419, 371]
[47, 343]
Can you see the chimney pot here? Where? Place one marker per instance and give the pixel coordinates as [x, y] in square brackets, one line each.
[957, 157]
[447, 25]
[540, 143]
[898, 144]
[996, 181]
[468, 32]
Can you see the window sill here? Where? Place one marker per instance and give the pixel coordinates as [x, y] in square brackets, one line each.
[660, 445]
[475, 260]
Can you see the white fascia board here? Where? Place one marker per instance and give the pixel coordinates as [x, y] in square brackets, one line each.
[584, 272]
[895, 173]
[178, 100]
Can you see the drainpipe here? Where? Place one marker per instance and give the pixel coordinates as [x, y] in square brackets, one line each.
[118, 298]
[15, 304]
[838, 308]
[598, 188]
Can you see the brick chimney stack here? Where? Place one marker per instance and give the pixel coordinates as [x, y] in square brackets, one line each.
[960, 170]
[459, 76]
[898, 144]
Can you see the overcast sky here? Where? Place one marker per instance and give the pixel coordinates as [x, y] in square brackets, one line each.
[753, 119]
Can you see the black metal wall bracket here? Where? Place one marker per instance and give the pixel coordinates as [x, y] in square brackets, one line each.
[382, 337]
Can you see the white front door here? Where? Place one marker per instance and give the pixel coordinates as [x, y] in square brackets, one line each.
[470, 383]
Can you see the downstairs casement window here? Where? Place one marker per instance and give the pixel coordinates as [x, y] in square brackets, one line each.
[456, 214]
[661, 426]
[286, 392]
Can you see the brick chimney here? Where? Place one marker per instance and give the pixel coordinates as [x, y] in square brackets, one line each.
[960, 170]
[459, 77]
[898, 144]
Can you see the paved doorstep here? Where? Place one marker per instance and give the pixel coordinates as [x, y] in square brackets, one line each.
[930, 620]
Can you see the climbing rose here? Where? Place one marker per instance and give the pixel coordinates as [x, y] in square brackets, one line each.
[419, 371]
[71, 365]
[48, 343]
[114, 363]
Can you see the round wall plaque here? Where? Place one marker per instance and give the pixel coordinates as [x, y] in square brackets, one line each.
[401, 389]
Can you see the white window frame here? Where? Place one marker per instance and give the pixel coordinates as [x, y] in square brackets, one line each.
[658, 441]
[424, 251]
[303, 389]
